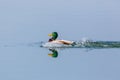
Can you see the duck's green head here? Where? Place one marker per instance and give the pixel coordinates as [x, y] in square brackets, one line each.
[54, 54]
[54, 35]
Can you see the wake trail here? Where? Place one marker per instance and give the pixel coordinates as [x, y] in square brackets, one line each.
[85, 44]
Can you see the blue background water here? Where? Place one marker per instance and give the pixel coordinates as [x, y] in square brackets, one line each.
[24, 22]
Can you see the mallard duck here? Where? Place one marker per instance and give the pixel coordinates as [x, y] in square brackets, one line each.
[54, 39]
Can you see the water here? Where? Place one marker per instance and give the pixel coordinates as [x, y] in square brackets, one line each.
[33, 62]
[24, 24]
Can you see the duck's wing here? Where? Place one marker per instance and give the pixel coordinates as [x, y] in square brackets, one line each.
[66, 42]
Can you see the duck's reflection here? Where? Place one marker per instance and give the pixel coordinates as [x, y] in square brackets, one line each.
[54, 53]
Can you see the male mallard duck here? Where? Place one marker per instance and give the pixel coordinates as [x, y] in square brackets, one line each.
[53, 39]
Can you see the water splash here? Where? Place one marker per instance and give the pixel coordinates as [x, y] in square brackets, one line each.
[84, 44]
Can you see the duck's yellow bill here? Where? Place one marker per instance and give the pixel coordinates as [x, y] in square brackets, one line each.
[50, 54]
[50, 35]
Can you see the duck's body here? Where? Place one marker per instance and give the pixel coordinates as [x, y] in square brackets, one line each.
[66, 42]
[54, 39]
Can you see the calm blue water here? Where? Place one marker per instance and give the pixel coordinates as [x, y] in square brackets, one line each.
[24, 22]
[33, 63]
